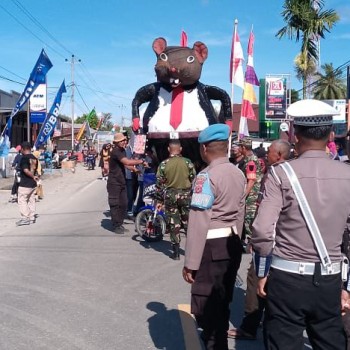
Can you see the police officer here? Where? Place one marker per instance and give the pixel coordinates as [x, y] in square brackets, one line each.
[173, 188]
[213, 249]
[252, 170]
[303, 293]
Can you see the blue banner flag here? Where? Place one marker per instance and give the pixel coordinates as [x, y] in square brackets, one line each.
[51, 119]
[6, 144]
[37, 76]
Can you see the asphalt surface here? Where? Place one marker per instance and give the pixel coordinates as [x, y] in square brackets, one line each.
[68, 282]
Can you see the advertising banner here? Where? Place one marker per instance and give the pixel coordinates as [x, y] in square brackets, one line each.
[37, 104]
[340, 106]
[276, 97]
[49, 123]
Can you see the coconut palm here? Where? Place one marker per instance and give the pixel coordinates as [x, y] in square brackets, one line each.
[306, 21]
[330, 85]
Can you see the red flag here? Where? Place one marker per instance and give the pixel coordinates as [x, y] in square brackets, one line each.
[183, 41]
[236, 61]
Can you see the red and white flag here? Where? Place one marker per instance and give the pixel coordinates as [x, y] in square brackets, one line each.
[236, 61]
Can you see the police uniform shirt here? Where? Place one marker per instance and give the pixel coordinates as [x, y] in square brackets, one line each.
[227, 184]
[326, 185]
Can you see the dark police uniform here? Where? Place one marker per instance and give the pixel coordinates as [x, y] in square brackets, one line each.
[213, 248]
[301, 293]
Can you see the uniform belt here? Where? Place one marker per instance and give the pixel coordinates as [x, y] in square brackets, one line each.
[221, 232]
[303, 268]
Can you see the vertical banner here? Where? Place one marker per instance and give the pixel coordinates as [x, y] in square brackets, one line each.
[38, 104]
[276, 97]
[50, 121]
[37, 76]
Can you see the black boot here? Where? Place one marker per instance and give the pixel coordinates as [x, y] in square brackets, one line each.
[176, 252]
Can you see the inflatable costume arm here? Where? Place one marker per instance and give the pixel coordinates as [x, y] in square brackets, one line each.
[215, 93]
[143, 95]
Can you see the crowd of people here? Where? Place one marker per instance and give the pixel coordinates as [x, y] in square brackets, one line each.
[279, 204]
[249, 203]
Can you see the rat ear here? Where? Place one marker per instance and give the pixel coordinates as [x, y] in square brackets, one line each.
[159, 45]
[201, 51]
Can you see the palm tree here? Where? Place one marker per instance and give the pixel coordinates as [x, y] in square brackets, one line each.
[305, 71]
[330, 85]
[305, 20]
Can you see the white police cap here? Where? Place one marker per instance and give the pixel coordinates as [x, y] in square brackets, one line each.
[311, 113]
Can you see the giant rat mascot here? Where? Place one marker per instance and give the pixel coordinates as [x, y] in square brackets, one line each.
[179, 105]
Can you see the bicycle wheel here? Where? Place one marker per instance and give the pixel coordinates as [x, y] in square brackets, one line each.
[150, 228]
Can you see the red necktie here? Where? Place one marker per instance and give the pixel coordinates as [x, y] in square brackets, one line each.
[176, 107]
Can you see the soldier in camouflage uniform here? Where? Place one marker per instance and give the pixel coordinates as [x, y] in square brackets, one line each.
[173, 189]
[253, 172]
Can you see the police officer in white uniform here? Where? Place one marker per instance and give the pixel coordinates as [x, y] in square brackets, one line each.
[304, 285]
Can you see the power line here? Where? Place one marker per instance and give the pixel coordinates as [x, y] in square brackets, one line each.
[340, 68]
[38, 24]
[20, 23]
[82, 98]
[16, 75]
[13, 81]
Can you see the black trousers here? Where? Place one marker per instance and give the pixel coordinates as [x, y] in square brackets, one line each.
[213, 289]
[301, 302]
[118, 201]
[254, 305]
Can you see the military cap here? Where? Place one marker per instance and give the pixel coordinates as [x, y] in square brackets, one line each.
[246, 142]
[215, 132]
[311, 113]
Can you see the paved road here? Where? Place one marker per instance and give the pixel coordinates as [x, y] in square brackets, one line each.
[68, 282]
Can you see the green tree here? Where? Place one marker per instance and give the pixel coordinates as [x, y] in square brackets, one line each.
[294, 96]
[306, 21]
[91, 118]
[329, 85]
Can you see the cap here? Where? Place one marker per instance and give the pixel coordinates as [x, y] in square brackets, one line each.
[118, 137]
[246, 141]
[215, 132]
[311, 113]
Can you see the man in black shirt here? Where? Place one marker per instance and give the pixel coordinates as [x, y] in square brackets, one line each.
[26, 198]
[116, 184]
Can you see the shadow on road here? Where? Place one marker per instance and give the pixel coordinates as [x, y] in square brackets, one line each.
[163, 247]
[165, 327]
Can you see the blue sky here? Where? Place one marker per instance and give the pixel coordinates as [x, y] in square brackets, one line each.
[113, 39]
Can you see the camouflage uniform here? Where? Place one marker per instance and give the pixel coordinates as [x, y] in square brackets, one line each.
[252, 171]
[173, 188]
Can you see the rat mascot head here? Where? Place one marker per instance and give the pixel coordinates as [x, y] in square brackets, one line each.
[179, 66]
[179, 105]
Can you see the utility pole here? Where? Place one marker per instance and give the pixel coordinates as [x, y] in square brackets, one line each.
[122, 116]
[72, 96]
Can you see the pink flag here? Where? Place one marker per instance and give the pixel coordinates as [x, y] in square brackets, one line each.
[183, 41]
[236, 61]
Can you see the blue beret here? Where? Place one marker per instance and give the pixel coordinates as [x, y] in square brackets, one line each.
[215, 132]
